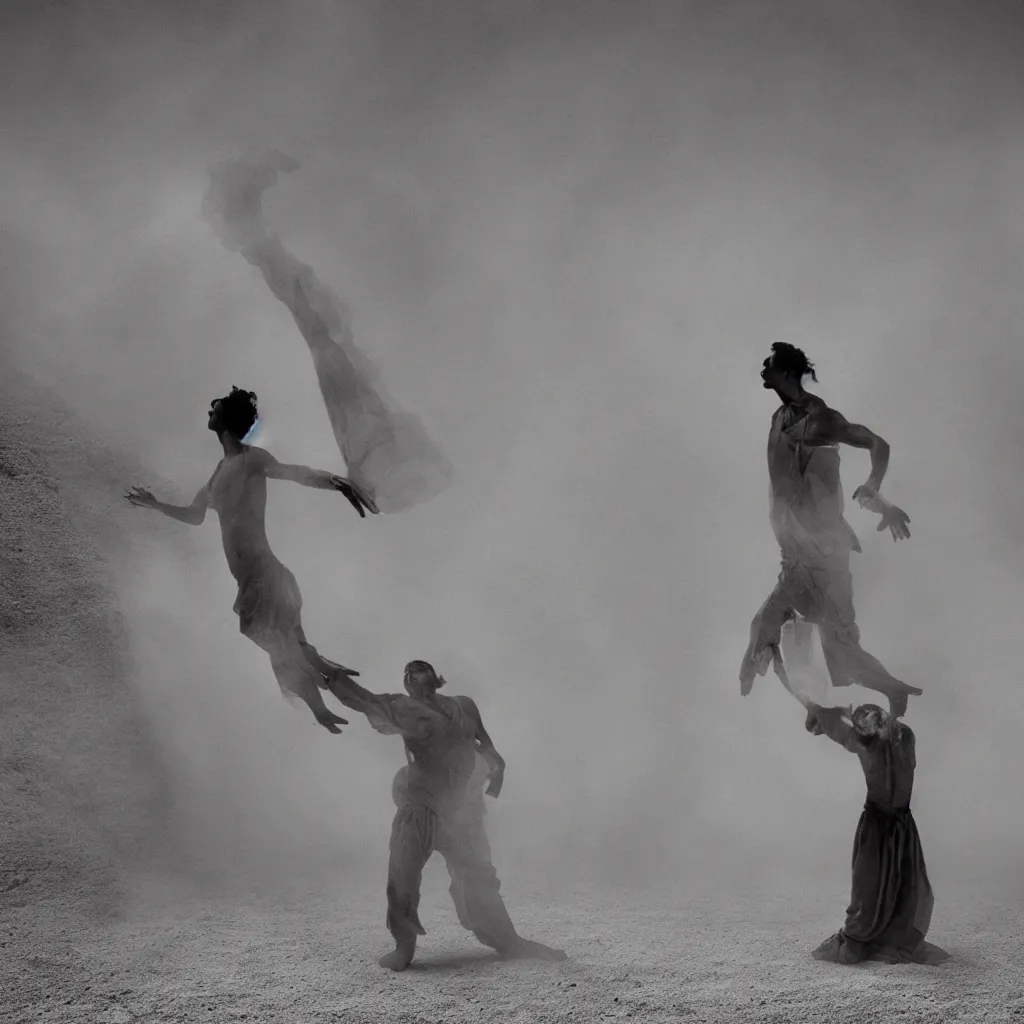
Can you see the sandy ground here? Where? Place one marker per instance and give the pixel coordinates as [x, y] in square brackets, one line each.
[76, 946]
[633, 956]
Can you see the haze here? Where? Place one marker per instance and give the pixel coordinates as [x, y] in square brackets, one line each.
[568, 233]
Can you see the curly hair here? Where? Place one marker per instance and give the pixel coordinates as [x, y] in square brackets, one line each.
[790, 359]
[238, 411]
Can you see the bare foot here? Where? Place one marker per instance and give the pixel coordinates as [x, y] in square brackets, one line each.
[526, 949]
[400, 957]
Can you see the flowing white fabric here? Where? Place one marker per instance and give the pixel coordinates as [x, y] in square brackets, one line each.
[387, 451]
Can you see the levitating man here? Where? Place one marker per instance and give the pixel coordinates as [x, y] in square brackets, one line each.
[269, 603]
[440, 801]
[891, 898]
[806, 513]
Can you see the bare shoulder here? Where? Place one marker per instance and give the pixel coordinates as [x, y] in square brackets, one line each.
[904, 735]
[828, 426]
[399, 700]
[820, 414]
[469, 708]
[403, 707]
[259, 459]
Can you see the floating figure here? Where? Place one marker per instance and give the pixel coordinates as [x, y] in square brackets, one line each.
[806, 512]
[269, 603]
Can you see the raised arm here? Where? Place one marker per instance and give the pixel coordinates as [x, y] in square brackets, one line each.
[485, 748]
[391, 714]
[192, 514]
[831, 722]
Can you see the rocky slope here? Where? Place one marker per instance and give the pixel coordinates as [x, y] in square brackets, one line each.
[80, 785]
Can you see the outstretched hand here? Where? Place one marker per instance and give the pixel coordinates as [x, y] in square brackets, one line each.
[140, 497]
[815, 712]
[894, 519]
[358, 499]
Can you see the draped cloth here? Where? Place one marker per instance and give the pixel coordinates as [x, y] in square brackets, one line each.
[814, 584]
[387, 450]
[891, 898]
[455, 829]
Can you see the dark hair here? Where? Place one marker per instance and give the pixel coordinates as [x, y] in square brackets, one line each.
[869, 720]
[424, 666]
[790, 359]
[238, 412]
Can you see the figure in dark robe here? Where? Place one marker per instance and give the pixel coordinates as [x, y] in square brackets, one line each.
[891, 898]
[439, 796]
[815, 587]
[269, 602]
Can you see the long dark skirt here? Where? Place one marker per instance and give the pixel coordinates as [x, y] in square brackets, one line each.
[891, 901]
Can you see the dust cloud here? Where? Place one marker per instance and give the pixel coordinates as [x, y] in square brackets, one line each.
[568, 234]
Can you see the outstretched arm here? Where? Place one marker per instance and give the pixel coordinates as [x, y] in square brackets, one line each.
[485, 748]
[831, 722]
[319, 479]
[192, 514]
[389, 713]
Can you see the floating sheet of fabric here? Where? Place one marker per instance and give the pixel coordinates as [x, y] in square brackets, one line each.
[387, 451]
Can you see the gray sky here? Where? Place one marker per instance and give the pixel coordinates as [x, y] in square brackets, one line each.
[568, 233]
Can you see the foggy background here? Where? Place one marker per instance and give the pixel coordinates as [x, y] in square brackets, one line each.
[568, 234]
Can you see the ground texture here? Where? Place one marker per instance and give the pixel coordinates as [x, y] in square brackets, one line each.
[81, 797]
[632, 957]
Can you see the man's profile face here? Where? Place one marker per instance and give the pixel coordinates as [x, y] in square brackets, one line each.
[769, 374]
[214, 419]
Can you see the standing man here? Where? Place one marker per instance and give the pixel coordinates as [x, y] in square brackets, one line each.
[269, 602]
[806, 513]
[440, 807]
[891, 898]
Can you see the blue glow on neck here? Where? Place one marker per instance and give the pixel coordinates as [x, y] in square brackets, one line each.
[255, 432]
